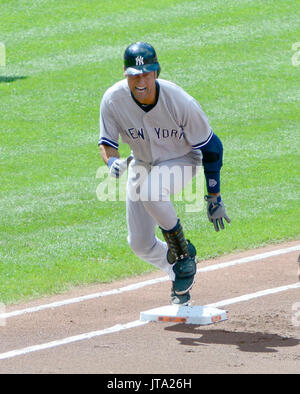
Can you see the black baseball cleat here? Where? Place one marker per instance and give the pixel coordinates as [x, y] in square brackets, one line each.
[183, 299]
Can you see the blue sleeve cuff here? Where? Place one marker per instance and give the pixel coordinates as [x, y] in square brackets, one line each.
[106, 141]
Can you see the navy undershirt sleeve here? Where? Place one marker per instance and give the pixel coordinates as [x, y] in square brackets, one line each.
[212, 162]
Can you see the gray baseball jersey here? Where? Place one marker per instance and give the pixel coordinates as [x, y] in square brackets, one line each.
[174, 127]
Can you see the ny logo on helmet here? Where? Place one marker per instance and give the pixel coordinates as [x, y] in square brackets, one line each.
[139, 60]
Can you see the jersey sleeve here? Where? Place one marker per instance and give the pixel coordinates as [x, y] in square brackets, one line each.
[198, 131]
[109, 129]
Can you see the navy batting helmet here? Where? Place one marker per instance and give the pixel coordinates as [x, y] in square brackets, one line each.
[140, 58]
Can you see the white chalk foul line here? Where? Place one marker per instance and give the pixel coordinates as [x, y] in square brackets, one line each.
[150, 282]
[250, 259]
[135, 323]
[257, 294]
[76, 338]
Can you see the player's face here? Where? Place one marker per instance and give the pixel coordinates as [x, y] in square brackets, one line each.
[143, 87]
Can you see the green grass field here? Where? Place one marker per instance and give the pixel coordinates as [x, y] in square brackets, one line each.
[233, 56]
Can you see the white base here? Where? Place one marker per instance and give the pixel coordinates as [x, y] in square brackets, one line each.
[201, 315]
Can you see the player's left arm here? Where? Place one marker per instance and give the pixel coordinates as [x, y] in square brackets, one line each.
[200, 136]
[212, 153]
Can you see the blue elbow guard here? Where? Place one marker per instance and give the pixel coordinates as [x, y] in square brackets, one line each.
[213, 154]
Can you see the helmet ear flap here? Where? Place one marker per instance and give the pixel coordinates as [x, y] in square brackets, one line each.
[158, 72]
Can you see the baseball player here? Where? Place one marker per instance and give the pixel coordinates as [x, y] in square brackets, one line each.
[165, 128]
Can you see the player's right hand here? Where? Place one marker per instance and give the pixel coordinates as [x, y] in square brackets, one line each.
[116, 166]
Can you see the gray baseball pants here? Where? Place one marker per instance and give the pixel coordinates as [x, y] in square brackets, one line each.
[148, 204]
